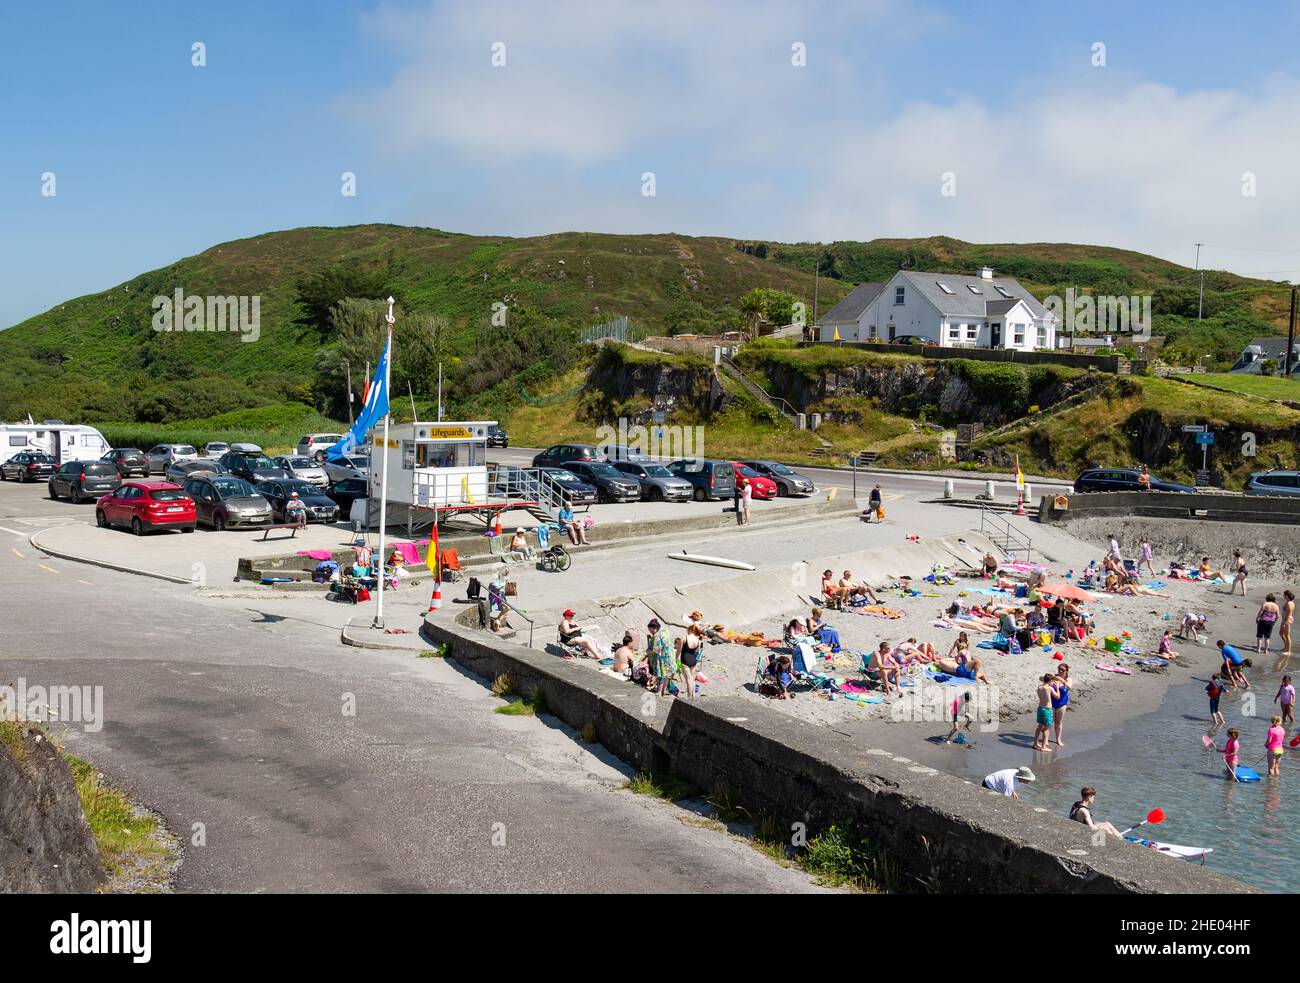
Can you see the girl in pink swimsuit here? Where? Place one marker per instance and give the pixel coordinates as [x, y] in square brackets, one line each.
[1276, 737]
[1230, 749]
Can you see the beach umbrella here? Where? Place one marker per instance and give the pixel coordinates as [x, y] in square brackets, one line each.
[1069, 591]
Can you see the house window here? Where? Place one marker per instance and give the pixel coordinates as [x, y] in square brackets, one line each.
[972, 332]
[973, 289]
[1018, 335]
[1002, 290]
[943, 286]
[954, 332]
[1042, 336]
[898, 295]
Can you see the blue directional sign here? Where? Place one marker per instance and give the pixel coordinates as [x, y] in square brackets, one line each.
[1205, 438]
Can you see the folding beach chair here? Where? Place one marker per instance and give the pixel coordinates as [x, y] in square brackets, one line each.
[451, 568]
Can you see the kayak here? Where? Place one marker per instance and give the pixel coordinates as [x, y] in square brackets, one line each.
[1173, 849]
[716, 561]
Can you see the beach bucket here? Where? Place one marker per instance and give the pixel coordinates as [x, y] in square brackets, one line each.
[1113, 644]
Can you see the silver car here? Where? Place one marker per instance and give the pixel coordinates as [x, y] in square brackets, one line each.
[181, 470]
[1274, 483]
[163, 456]
[658, 484]
[356, 466]
[304, 469]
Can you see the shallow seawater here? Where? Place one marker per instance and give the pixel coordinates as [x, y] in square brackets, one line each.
[1158, 760]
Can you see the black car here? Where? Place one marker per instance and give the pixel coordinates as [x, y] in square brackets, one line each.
[788, 481]
[497, 437]
[576, 491]
[28, 466]
[129, 461]
[611, 484]
[320, 507]
[710, 479]
[346, 492]
[560, 454]
[1122, 479]
[81, 481]
[253, 468]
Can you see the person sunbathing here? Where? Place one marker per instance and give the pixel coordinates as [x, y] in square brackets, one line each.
[884, 668]
[960, 650]
[1115, 586]
[911, 651]
[571, 635]
[1207, 574]
[972, 670]
[830, 589]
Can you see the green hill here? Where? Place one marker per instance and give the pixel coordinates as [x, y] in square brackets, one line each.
[97, 358]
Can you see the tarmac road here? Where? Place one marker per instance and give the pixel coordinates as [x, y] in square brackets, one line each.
[236, 718]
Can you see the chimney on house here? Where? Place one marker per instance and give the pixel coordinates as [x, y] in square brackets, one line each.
[986, 273]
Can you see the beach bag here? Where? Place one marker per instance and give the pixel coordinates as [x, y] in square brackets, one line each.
[363, 594]
[473, 589]
[1001, 642]
[512, 588]
[1013, 646]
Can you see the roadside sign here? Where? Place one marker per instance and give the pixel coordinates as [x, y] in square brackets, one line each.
[1205, 438]
[1202, 479]
[1193, 428]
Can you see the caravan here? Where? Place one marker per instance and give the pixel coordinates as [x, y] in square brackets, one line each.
[62, 441]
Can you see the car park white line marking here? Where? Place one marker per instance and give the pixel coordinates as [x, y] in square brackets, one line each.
[86, 582]
[15, 552]
[13, 531]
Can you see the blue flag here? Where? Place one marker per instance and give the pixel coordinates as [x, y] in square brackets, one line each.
[374, 409]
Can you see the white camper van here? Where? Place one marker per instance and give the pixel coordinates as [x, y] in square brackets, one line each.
[63, 441]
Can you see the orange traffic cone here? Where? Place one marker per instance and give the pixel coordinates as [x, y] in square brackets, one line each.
[1020, 505]
[435, 602]
[498, 525]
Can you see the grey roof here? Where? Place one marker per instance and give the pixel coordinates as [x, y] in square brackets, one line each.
[848, 310]
[962, 301]
[1271, 347]
[996, 307]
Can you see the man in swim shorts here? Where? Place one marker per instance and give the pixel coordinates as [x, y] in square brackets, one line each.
[1046, 692]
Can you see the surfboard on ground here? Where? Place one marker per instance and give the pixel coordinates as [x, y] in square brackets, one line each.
[716, 561]
[1173, 849]
[1245, 774]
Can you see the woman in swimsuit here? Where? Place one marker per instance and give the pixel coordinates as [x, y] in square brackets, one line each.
[1265, 619]
[1060, 701]
[1284, 629]
[1239, 573]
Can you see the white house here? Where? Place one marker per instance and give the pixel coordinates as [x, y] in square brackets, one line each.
[944, 309]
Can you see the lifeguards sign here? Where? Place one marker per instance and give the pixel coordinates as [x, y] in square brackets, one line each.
[450, 433]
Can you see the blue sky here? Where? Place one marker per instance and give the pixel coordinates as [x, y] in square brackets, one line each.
[156, 159]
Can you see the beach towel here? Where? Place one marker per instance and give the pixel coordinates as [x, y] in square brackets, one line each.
[1156, 585]
[409, 553]
[1118, 669]
[317, 554]
[880, 611]
[862, 700]
[944, 679]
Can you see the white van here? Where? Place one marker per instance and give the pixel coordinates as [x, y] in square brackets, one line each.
[314, 445]
[62, 441]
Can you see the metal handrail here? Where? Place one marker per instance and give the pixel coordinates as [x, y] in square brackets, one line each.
[775, 399]
[1008, 531]
[531, 624]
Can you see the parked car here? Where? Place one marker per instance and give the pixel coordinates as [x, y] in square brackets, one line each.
[1122, 479]
[314, 445]
[304, 469]
[181, 470]
[346, 492]
[145, 506]
[355, 466]
[620, 453]
[577, 491]
[162, 456]
[78, 481]
[611, 484]
[28, 466]
[251, 467]
[320, 507]
[708, 478]
[244, 448]
[510, 481]
[911, 339]
[788, 481]
[555, 457]
[130, 462]
[213, 449]
[497, 437]
[763, 486]
[1273, 482]
[658, 484]
[224, 501]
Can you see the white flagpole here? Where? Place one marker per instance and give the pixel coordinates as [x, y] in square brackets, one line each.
[383, 488]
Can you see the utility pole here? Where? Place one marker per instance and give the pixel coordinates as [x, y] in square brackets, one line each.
[349, 369]
[1290, 339]
[816, 270]
[1200, 300]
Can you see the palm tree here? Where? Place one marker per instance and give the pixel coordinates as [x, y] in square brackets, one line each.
[751, 307]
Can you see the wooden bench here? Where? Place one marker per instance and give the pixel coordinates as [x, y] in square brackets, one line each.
[292, 526]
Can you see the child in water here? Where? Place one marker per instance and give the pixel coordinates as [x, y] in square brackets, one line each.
[1274, 743]
[1214, 690]
[963, 702]
[1231, 750]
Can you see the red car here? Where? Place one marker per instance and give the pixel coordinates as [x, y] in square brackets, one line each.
[145, 506]
[764, 487]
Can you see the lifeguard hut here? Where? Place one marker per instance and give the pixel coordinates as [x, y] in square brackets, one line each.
[440, 468]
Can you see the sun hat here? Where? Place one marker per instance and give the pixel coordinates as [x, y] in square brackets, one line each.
[1025, 775]
[568, 613]
[520, 529]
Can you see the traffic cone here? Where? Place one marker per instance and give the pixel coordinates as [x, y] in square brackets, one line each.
[497, 529]
[1020, 505]
[435, 602]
